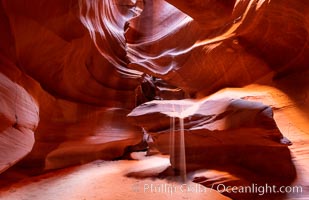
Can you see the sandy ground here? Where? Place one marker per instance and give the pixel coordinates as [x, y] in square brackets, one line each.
[109, 180]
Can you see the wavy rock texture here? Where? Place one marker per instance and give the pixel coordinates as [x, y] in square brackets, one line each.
[252, 39]
[227, 131]
[106, 22]
[83, 100]
[83, 62]
[19, 118]
[53, 47]
[236, 142]
[66, 133]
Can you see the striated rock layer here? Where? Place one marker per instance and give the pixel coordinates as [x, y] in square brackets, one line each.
[65, 133]
[79, 99]
[218, 133]
[19, 118]
[79, 67]
[217, 42]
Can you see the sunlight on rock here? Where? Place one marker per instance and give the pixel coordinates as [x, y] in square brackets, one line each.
[142, 99]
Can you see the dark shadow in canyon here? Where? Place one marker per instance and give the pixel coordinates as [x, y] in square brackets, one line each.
[241, 165]
[228, 173]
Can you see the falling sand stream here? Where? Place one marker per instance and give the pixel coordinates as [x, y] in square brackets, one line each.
[178, 141]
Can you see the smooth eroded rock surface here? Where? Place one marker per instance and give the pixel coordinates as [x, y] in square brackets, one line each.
[218, 133]
[81, 97]
[217, 44]
[84, 64]
[19, 116]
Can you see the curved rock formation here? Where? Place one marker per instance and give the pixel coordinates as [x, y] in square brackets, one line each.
[218, 133]
[84, 64]
[19, 116]
[106, 22]
[54, 48]
[82, 98]
[252, 39]
[227, 142]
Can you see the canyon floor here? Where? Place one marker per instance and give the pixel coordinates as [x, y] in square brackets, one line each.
[140, 178]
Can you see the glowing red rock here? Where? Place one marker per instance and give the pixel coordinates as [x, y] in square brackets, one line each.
[19, 118]
[218, 133]
[84, 58]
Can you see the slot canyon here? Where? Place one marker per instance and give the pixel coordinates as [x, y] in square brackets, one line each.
[154, 99]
